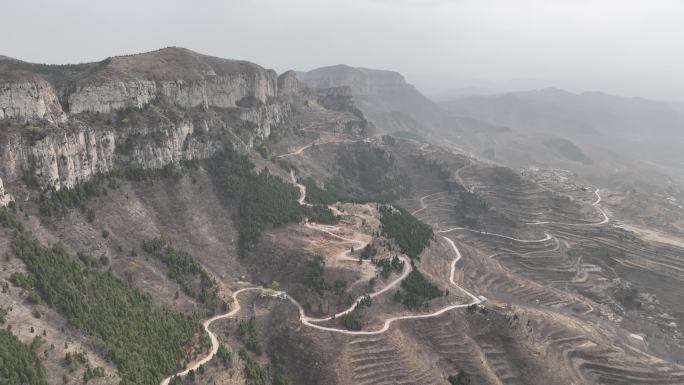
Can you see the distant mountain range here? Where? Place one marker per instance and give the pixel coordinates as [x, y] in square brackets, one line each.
[597, 117]
[605, 138]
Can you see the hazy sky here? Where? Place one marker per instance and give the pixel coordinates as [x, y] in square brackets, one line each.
[626, 47]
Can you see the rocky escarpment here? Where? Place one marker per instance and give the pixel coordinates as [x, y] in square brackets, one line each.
[211, 91]
[31, 97]
[63, 157]
[385, 97]
[4, 197]
[289, 85]
[63, 125]
[172, 75]
[362, 81]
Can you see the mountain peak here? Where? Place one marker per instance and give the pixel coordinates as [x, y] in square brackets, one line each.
[362, 80]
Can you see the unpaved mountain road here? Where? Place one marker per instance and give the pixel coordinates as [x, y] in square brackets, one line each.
[212, 337]
[311, 322]
[605, 219]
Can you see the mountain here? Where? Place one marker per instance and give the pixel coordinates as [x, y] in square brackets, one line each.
[608, 135]
[176, 75]
[384, 97]
[147, 110]
[174, 218]
[596, 135]
[648, 129]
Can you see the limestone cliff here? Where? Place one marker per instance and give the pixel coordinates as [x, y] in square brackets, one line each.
[288, 84]
[61, 125]
[173, 75]
[385, 97]
[362, 81]
[64, 157]
[31, 97]
[4, 197]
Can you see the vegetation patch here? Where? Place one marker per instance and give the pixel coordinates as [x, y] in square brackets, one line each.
[387, 266]
[263, 199]
[187, 272]
[462, 378]
[19, 364]
[255, 374]
[321, 214]
[91, 373]
[58, 202]
[410, 234]
[314, 275]
[144, 340]
[74, 360]
[418, 290]
[224, 356]
[22, 280]
[247, 331]
[9, 220]
[373, 170]
[368, 251]
[352, 321]
[469, 208]
[332, 193]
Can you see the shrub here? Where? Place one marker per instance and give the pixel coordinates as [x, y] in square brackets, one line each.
[418, 290]
[411, 235]
[183, 268]
[125, 322]
[263, 199]
[20, 363]
[248, 335]
[462, 378]
[351, 321]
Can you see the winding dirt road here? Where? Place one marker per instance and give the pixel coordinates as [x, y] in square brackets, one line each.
[547, 236]
[214, 340]
[311, 322]
[605, 219]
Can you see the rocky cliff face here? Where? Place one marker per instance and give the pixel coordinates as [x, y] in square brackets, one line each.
[65, 125]
[4, 197]
[173, 75]
[64, 158]
[362, 81]
[385, 98]
[32, 97]
[212, 91]
[288, 84]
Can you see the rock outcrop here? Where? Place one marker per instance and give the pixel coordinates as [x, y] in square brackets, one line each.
[172, 75]
[212, 91]
[362, 81]
[29, 98]
[65, 124]
[4, 197]
[64, 159]
[288, 84]
[385, 97]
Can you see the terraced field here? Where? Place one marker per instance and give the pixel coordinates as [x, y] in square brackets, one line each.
[565, 287]
[576, 272]
[381, 359]
[562, 286]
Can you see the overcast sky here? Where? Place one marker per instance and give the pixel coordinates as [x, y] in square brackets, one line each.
[626, 47]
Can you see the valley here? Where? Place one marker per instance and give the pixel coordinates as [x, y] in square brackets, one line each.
[266, 231]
